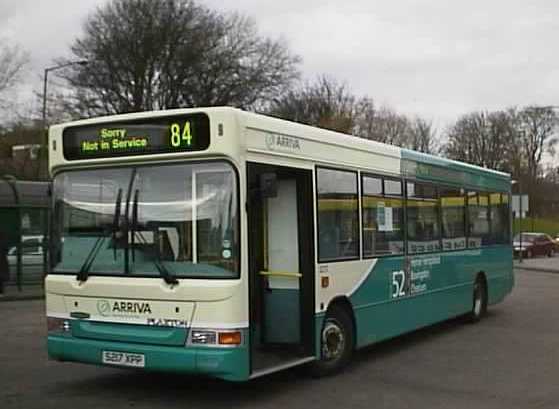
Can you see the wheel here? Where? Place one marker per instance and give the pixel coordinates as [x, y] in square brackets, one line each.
[529, 254]
[479, 301]
[336, 343]
[551, 253]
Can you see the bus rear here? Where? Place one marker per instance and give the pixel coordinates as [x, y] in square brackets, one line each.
[145, 244]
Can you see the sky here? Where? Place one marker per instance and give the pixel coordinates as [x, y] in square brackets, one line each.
[434, 58]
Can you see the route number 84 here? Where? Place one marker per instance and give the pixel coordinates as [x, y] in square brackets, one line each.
[398, 284]
[180, 135]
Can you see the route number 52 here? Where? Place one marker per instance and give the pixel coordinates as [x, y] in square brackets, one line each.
[398, 284]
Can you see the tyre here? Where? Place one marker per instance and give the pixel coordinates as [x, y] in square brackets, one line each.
[551, 253]
[336, 344]
[479, 300]
[529, 254]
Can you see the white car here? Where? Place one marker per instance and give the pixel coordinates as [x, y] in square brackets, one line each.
[31, 258]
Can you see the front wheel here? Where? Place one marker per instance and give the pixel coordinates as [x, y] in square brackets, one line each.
[336, 342]
[479, 302]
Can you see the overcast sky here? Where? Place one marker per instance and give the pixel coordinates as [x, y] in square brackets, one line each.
[435, 58]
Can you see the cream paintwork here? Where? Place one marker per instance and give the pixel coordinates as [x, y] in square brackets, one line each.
[219, 303]
[150, 288]
[340, 152]
[344, 279]
[175, 310]
[203, 303]
[226, 145]
[222, 302]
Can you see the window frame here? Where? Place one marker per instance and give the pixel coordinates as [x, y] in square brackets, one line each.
[361, 174]
[144, 164]
[464, 194]
[490, 232]
[358, 256]
[467, 188]
[384, 195]
[439, 215]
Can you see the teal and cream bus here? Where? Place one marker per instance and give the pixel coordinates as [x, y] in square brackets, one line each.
[230, 244]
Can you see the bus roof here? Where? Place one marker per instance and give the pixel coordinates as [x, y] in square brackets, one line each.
[413, 164]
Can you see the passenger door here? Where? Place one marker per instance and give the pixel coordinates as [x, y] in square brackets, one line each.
[281, 266]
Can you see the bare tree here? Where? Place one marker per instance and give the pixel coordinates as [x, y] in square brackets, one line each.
[538, 125]
[12, 64]
[485, 139]
[388, 126]
[329, 104]
[422, 136]
[325, 103]
[158, 54]
[24, 163]
[365, 115]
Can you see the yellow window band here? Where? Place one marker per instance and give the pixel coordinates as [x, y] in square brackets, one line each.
[280, 274]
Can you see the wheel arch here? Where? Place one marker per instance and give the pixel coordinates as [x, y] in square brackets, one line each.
[344, 303]
[480, 275]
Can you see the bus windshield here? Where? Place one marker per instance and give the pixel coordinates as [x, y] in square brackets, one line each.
[138, 220]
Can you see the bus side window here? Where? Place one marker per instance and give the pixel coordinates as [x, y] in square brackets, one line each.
[338, 215]
[382, 204]
[423, 227]
[453, 211]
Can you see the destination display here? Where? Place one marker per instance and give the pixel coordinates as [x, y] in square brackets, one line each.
[183, 133]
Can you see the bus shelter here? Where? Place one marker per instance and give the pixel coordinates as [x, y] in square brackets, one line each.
[24, 215]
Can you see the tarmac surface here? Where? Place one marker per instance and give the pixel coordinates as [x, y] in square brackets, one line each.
[545, 264]
[508, 360]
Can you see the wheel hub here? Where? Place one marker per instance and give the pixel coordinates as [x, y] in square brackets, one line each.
[333, 341]
[477, 300]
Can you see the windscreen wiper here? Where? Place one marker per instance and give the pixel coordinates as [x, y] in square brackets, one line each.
[163, 271]
[134, 223]
[116, 221]
[84, 269]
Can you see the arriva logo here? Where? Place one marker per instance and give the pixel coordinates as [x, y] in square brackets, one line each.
[283, 143]
[107, 308]
[104, 308]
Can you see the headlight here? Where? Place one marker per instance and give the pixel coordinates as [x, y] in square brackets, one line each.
[58, 325]
[203, 337]
[216, 338]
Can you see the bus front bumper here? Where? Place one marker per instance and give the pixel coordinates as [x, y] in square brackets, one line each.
[231, 364]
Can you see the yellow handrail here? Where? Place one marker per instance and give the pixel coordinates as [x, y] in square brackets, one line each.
[280, 274]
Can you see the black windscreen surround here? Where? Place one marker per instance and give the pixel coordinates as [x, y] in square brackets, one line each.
[180, 133]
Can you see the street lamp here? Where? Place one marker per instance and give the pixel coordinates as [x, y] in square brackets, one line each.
[45, 82]
[517, 182]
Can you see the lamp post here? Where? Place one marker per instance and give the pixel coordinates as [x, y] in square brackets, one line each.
[45, 150]
[517, 182]
[45, 83]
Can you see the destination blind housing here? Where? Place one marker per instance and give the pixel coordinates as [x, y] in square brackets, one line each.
[181, 133]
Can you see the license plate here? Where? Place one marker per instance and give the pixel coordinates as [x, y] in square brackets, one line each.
[124, 359]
